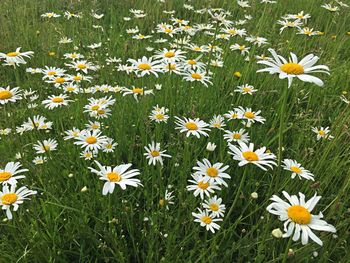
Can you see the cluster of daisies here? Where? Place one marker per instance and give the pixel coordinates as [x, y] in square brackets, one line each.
[11, 196]
[190, 61]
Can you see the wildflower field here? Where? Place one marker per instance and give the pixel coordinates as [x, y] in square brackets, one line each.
[174, 131]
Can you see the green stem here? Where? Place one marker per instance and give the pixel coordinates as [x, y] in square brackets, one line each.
[237, 194]
[281, 126]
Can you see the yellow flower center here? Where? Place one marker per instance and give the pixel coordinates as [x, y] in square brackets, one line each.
[57, 100]
[246, 89]
[95, 107]
[5, 94]
[159, 116]
[114, 177]
[70, 88]
[91, 140]
[212, 172]
[237, 136]
[60, 80]
[232, 31]
[192, 62]
[295, 169]
[95, 126]
[12, 54]
[8, 199]
[292, 68]
[299, 214]
[203, 185]
[168, 30]
[155, 153]
[214, 207]
[144, 66]
[217, 125]
[250, 156]
[77, 78]
[51, 73]
[4, 176]
[191, 126]
[47, 148]
[234, 116]
[249, 115]
[196, 76]
[169, 54]
[101, 112]
[81, 66]
[206, 219]
[137, 90]
[322, 133]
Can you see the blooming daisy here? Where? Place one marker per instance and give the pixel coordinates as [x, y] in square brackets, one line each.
[9, 95]
[198, 75]
[146, 66]
[45, 146]
[217, 122]
[109, 146]
[10, 197]
[116, 175]
[214, 206]
[91, 140]
[82, 65]
[201, 186]
[158, 114]
[297, 169]
[292, 68]
[207, 220]
[154, 154]
[322, 133]
[11, 173]
[194, 127]
[213, 173]
[296, 213]
[245, 154]
[246, 89]
[170, 56]
[54, 101]
[16, 57]
[236, 136]
[249, 115]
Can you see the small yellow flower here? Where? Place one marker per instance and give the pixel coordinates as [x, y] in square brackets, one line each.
[334, 37]
[237, 74]
[52, 53]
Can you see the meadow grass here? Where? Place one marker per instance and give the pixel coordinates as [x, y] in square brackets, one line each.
[63, 224]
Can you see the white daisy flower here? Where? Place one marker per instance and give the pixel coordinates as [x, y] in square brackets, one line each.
[214, 173]
[45, 146]
[249, 115]
[202, 187]
[145, 66]
[236, 136]
[292, 68]
[198, 75]
[54, 101]
[207, 220]
[194, 127]
[9, 95]
[214, 206]
[217, 122]
[91, 140]
[154, 154]
[297, 169]
[11, 173]
[246, 89]
[245, 154]
[116, 175]
[10, 197]
[322, 133]
[297, 217]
